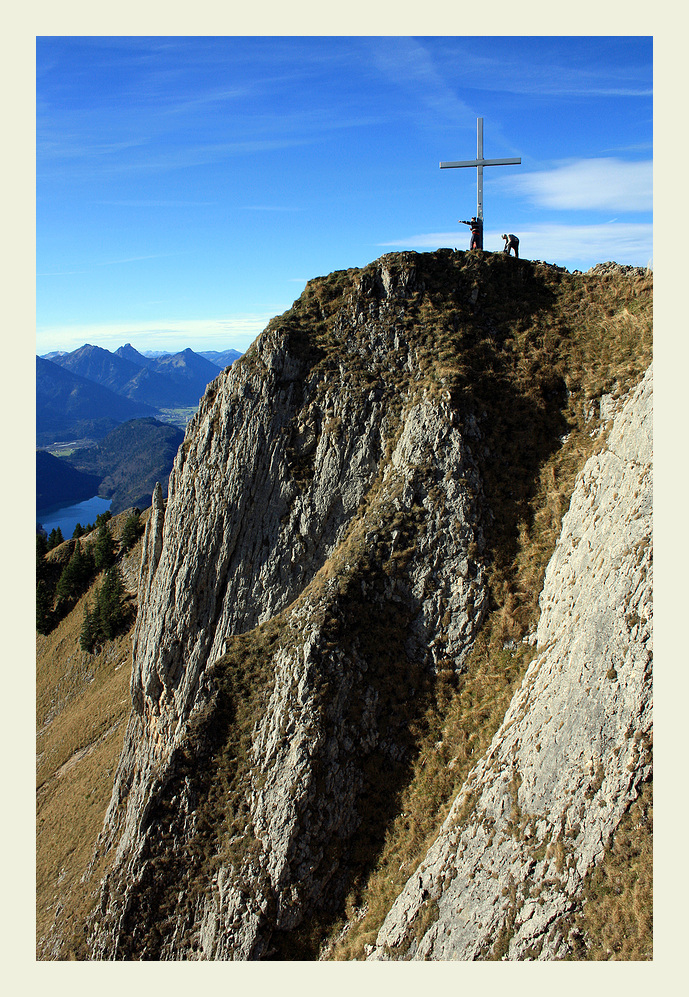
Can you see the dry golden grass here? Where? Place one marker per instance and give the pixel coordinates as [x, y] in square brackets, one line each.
[461, 724]
[616, 922]
[82, 704]
[77, 756]
[598, 339]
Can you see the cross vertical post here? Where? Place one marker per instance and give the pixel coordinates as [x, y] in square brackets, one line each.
[479, 168]
[479, 163]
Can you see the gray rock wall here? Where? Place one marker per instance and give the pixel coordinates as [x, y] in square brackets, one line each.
[575, 744]
[275, 477]
[336, 498]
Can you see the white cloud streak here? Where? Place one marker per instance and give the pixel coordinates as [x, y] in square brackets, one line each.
[408, 64]
[547, 71]
[575, 246]
[159, 204]
[266, 207]
[106, 263]
[607, 184]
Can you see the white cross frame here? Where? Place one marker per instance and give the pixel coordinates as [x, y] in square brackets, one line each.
[479, 163]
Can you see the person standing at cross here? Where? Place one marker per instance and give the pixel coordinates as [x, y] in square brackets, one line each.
[476, 226]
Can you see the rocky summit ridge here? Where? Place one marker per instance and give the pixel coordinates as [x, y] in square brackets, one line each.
[341, 596]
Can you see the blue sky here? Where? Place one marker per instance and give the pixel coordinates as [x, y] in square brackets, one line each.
[187, 187]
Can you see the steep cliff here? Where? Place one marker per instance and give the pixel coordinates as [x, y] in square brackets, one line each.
[363, 501]
[575, 745]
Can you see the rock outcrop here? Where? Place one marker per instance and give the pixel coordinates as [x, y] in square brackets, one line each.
[575, 745]
[342, 518]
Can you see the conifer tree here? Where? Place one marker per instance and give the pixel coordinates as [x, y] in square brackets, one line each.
[89, 632]
[44, 595]
[41, 544]
[44, 606]
[130, 531]
[75, 576]
[55, 538]
[41, 551]
[110, 611]
[104, 551]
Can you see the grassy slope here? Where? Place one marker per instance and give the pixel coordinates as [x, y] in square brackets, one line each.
[535, 334]
[539, 346]
[82, 704]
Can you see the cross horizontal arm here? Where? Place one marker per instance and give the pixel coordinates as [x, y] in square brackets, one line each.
[482, 162]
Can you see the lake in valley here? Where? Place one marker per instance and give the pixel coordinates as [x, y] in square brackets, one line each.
[66, 517]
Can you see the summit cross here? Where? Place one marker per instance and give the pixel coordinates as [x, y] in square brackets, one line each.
[479, 163]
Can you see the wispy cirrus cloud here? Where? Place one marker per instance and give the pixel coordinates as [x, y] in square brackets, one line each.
[105, 263]
[578, 246]
[409, 65]
[159, 204]
[607, 184]
[545, 68]
[267, 207]
[146, 162]
[61, 273]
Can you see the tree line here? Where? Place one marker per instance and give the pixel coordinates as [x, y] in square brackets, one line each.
[59, 589]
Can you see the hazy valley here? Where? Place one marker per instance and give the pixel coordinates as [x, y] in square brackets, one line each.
[110, 423]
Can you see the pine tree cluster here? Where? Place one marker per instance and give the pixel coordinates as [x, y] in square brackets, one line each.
[55, 538]
[106, 618]
[55, 596]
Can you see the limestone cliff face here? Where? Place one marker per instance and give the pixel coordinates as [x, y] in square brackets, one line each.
[322, 563]
[575, 745]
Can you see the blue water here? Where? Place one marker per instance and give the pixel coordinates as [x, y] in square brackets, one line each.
[67, 516]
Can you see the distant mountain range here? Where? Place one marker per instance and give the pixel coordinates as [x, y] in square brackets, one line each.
[86, 393]
[126, 401]
[222, 360]
[70, 406]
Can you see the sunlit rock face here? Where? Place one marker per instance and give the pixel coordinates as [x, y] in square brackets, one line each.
[574, 747]
[321, 563]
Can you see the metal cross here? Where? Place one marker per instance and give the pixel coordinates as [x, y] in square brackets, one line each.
[479, 163]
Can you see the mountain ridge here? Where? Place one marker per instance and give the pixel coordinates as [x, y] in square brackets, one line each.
[69, 405]
[129, 461]
[165, 382]
[340, 600]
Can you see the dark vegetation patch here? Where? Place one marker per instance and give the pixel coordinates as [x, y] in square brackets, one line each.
[362, 660]
[82, 704]
[66, 569]
[462, 714]
[199, 819]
